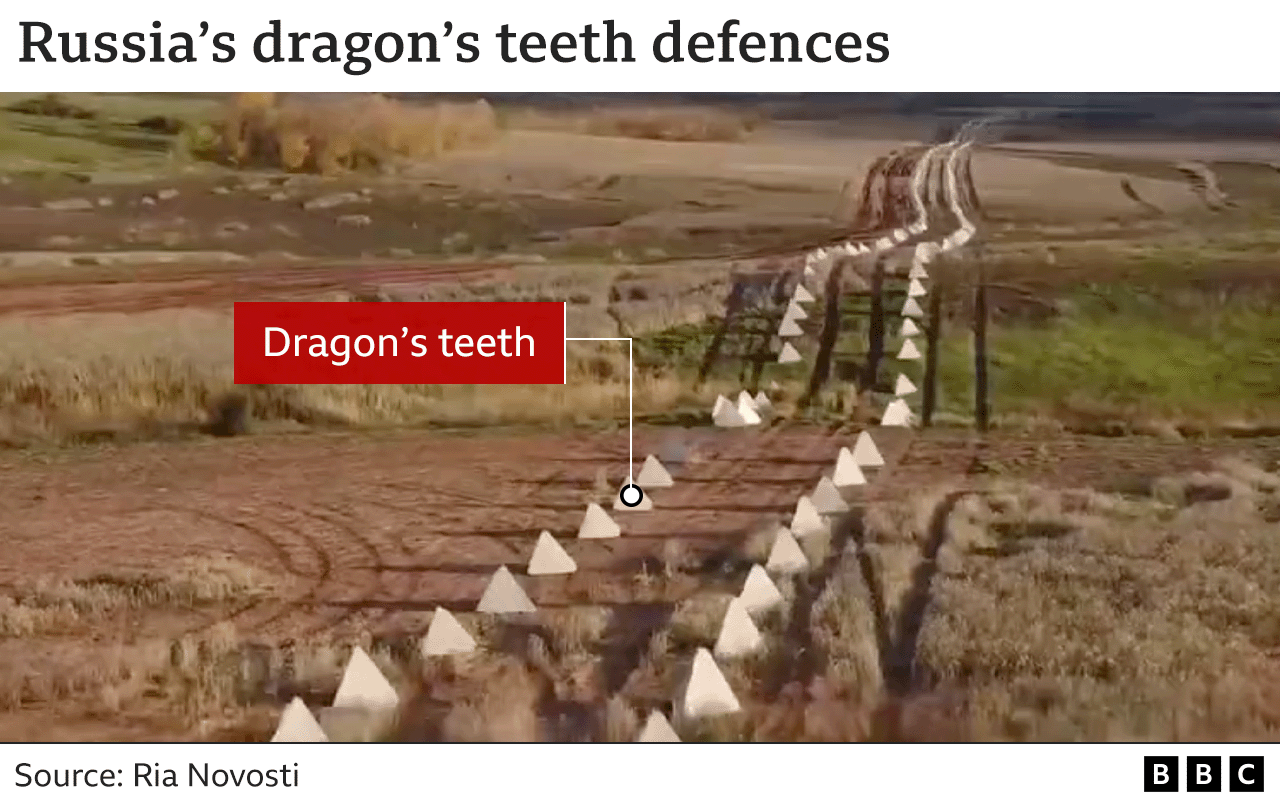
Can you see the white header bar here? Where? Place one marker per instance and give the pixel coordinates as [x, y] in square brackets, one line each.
[509, 46]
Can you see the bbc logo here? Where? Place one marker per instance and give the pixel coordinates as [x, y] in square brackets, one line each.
[1204, 773]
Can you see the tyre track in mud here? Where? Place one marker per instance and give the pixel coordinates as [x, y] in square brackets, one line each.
[149, 289]
[248, 620]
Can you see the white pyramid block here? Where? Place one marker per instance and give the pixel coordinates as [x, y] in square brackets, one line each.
[899, 235]
[549, 557]
[790, 328]
[763, 404]
[504, 595]
[363, 686]
[788, 354]
[806, 519]
[918, 273]
[909, 351]
[909, 329]
[786, 556]
[298, 725]
[721, 404]
[827, 499]
[446, 636]
[912, 308]
[865, 452]
[738, 633]
[746, 401]
[759, 594]
[847, 472]
[903, 386]
[916, 289]
[794, 311]
[645, 505]
[883, 243]
[653, 474]
[657, 729]
[705, 692]
[802, 295]
[726, 415]
[747, 411]
[596, 524]
[896, 414]
[809, 273]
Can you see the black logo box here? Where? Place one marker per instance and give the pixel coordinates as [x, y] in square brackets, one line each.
[1204, 773]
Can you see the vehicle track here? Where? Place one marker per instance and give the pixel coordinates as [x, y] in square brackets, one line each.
[145, 289]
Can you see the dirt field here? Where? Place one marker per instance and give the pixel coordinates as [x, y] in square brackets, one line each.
[158, 583]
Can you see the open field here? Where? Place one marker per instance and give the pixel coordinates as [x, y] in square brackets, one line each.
[1100, 566]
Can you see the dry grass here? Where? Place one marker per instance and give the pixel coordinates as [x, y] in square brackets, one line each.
[152, 374]
[503, 709]
[163, 372]
[369, 132]
[683, 124]
[843, 630]
[1070, 615]
[58, 606]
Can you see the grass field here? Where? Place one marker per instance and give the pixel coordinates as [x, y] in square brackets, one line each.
[1102, 566]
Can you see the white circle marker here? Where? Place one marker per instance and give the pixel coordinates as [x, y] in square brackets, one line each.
[631, 495]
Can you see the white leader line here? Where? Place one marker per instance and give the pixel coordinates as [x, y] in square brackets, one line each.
[631, 420]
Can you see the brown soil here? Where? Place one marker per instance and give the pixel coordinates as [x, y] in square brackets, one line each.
[217, 287]
[375, 531]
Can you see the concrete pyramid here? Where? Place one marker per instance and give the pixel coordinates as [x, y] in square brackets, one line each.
[903, 386]
[504, 595]
[746, 401]
[827, 499]
[896, 414]
[645, 505]
[900, 235]
[802, 295]
[657, 729]
[882, 244]
[596, 524]
[912, 308]
[909, 329]
[298, 725]
[738, 633]
[786, 556]
[790, 328]
[847, 472]
[918, 273]
[705, 692]
[363, 686]
[806, 519]
[747, 410]
[909, 352]
[865, 452]
[549, 557]
[809, 273]
[788, 354]
[762, 403]
[759, 594]
[794, 311]
[726, 415]
[446, 636]
[916, 289]
[653, 475]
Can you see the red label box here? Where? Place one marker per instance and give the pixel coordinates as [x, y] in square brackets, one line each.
[400, 342]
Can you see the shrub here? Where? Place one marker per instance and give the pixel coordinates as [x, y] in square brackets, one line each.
[369, 132]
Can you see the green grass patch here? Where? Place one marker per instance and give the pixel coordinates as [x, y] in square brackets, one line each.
[1133, 355]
